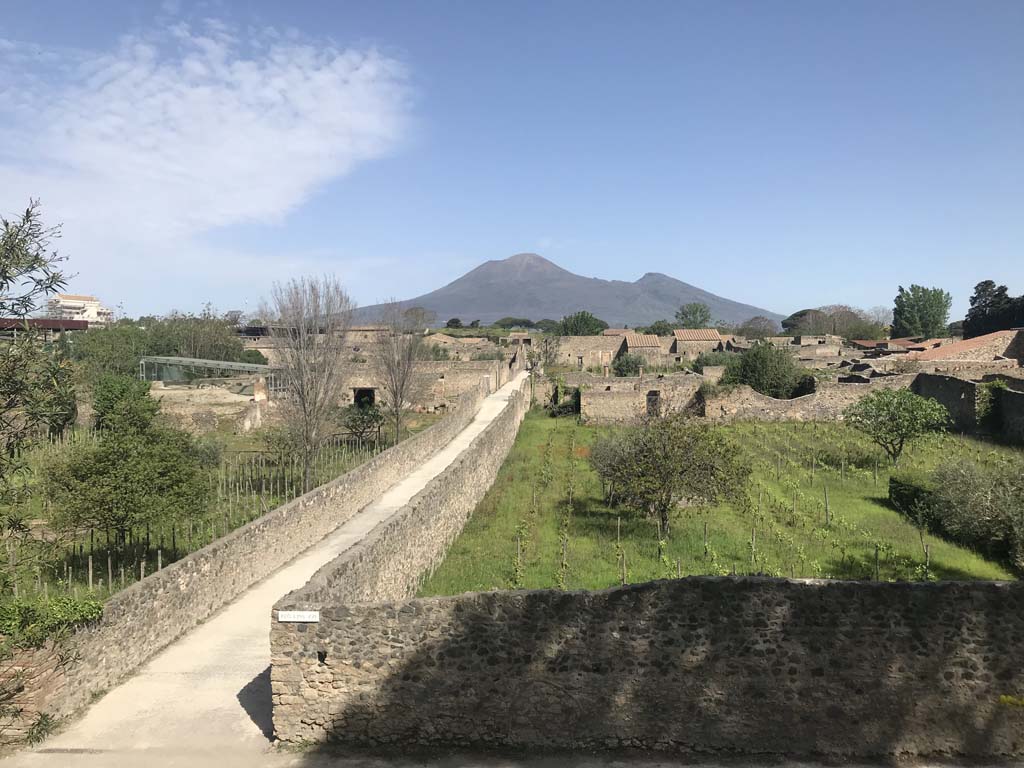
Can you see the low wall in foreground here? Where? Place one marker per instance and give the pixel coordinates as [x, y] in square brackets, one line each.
[704, 665]
[149, 615]
[389, 564]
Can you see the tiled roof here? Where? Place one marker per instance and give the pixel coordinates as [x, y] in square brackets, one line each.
[697, 334]
[959, 347]
[615, 332]
[642, 340]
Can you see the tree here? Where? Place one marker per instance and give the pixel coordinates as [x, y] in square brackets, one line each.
[628, 365]
[992, 309]
[312, 317]
[475, 324]
[694, 315]
[667, 461]
[419, 318]
[581, 324]
[362, 421]
[770, 371]
[514, 322]
[397, 362]
[547, 326]
[758, 327]
[123, 403]
[658, 328]
[453, 323]
[892, 418]
[920, 312]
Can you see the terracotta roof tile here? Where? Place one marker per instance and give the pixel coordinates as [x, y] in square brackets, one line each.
[697, 334]
[642, 340]
[616, 332]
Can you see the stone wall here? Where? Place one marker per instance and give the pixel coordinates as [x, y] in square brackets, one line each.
[624, 400]
[959, 396]
[389, 564]
[699, 665]
[139, 621]
[826, 404]
[1010, 406]
[594, 350]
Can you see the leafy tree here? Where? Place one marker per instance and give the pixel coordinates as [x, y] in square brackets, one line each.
[892, 418]
[548, 326]
[362, 421]
[128, 479]
[727, 359]
[992, 309]
[123, 403]
[628, 365]
[453, 323]
[838, 319]
[514, 322]
[475, 324]
[758, 327]
[658, 328]
[920, 312]
[771, 372]
[694, 315]
[665, 462]
[581, 324]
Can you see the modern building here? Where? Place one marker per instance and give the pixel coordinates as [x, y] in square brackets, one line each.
[71, 306]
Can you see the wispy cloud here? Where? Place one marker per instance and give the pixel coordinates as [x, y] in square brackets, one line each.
[183, 130]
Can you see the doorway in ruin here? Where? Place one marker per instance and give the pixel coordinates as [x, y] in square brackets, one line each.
[364, 397]
[654, 403]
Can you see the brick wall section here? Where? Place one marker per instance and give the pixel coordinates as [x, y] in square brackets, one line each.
[146, 617]
[700, 665]
[826, 404]
[389, 564]
[960, 397]
[1011, 413]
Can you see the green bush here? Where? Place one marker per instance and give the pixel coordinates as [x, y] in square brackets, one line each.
[987, 402]
[770, 371]
[727, 359]
[910, 492]
[122, 403]
[628, 365]
[29, 621]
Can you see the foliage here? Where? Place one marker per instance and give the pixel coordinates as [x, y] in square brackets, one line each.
[123, 403]
[694, 315]
[453, 323]
[770, 371]
[920, 312]
[435, 352]
[33, 620]
[28, 267]
[986, 402]
[726, 359]
[658, 328]
[474, 324]
[758, 327]
[892, 418]
[127, 479]
[253, 357]
[581, 324]
[362, 421]
[970, 504]
[397, 364]
[653, 468]
[548, 326]
[840, 320]
[514, 322]
[992, 309]
[628, 365]
[493, 354]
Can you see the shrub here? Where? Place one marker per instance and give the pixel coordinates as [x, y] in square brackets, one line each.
[123, 403]
[770, 371]
[628, 365]
[727, 359]
[987, 401]
[253, 357]
[892, 418]
[32, 620]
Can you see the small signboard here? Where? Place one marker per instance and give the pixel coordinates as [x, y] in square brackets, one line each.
[298, 616]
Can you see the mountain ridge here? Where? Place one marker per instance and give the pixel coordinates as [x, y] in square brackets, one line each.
[531, 286]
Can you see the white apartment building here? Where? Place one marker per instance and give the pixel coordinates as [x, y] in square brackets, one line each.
[70, 306]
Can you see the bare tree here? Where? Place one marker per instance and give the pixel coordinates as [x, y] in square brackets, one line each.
[312, 318]
[397, 362]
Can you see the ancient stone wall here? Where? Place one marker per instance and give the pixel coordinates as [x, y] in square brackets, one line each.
[594, 350]
[627, 399]
[959, 396]
[147, 616]
[826, 404]
[1010, 405]
[700, 665]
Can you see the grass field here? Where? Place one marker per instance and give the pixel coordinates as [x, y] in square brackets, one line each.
[581, 545]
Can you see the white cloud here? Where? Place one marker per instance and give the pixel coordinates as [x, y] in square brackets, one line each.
[141, 150]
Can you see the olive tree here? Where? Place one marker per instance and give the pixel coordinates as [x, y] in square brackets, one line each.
[665, 462]
[892, 418]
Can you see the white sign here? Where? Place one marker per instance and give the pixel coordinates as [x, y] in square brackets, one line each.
[298, 615]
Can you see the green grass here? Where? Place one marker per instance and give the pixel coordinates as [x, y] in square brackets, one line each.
[548, 452]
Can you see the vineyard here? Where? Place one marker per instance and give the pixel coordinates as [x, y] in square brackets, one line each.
[818, 508]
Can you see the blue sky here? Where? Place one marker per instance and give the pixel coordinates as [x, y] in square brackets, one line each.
[784, 154]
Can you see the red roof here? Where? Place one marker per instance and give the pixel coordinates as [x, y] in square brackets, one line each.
[642, 340]
[697, 334]
[967, 345]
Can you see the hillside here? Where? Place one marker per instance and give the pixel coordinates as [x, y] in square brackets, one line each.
[528, 285]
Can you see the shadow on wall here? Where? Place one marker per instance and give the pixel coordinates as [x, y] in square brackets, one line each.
[721, 665]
